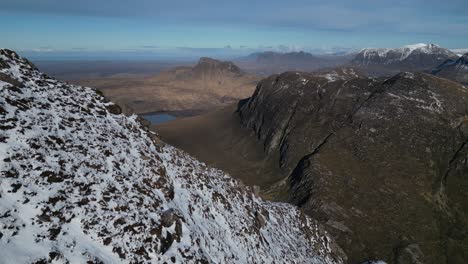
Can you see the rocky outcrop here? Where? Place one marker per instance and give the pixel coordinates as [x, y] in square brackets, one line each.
[416, 57]
[380, 162]
[455, 70]
[82, 183]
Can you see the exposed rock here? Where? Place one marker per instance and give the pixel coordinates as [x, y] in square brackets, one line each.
[169, 217]
[259, 220]
[8, 79]
[409, 253]
[114, 109]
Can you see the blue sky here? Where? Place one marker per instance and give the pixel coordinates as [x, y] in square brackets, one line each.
[183, 28]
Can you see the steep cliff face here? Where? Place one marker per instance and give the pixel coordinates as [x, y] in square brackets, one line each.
[381, 162]
[81, 182]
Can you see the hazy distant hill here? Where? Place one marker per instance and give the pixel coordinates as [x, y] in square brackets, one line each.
[456, 70]
[270, 62]
[208, 84]
[416, 57]
[291, 58]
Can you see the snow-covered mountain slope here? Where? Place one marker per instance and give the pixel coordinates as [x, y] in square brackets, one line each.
[81, 183]
[411, 57]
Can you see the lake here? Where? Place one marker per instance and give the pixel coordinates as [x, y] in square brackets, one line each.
[158, 118]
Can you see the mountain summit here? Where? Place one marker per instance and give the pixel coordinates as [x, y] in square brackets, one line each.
[81, 183]
[214, 67]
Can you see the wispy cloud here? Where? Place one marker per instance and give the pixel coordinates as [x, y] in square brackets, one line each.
[43, 49]
[149, 47]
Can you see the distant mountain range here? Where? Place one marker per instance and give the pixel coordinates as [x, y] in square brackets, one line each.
[207, 85]
[416, 57]
[291, 58]
[372, 61]
[270, 62]
[456, 70]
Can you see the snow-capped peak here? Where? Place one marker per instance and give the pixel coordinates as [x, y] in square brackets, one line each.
[81, 183]
[395, 55]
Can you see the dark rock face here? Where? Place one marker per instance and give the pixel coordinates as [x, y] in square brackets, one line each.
[417, 57]
[381, 162]
[455, 70]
